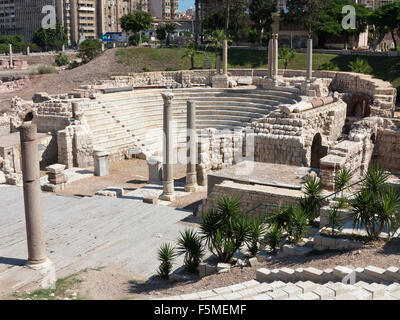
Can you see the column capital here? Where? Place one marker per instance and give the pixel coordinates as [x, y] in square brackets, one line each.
[167, 97]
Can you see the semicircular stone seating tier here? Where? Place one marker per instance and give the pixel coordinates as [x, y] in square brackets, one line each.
[134, 120]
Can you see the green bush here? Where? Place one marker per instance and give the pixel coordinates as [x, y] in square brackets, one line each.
[145, 69]
[62, 59]
[74, 64]
[166, 254]
[257, 231]
[190, 244]
[377, 204]
[298, 225]
[329, 66]
[360, 66]
[274, 237]
[88, 50]
[225, 229]
[335, 221]
[46, 70]
[311, 203]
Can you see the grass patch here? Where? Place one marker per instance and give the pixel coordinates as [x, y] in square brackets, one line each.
[59, 292]
[46, 70]
[385, 68]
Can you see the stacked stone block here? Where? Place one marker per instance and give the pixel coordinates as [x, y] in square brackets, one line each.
[57, 178]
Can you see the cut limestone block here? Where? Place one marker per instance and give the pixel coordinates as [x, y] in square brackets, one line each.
[263, 287]
[375, 273]
[309, 296]
[306, 286]
[313, 274]
[393, 273]
[263, 275]
[287, 274]
[278, 294]
[222, 290]
[341, 272]
[262, 297]
[324, 293]
[292, 290]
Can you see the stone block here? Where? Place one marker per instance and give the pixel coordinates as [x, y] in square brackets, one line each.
[341, 272]
[393, 273]
[56, 168]
[375, 273]
[306, 286]
[309, 296]
[151, 200]
[206, 294]
[190, 296]
[338, 287]
[278, 294]
[292, 290]
[253, 262]
[313, 274]
[287, 274]
[328, 275]
[263, 287]
[262, 297]
[237, 287]
[232, 296]
[324, 293]
[57, 178]
[251, 283]
[222, 290]
[263, 275]
[302, 251]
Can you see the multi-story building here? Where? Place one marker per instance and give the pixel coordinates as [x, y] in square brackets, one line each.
[374, 3]
[164, 9]
[109, 14]
[7, 18]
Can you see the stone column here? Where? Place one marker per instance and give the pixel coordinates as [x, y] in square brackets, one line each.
[11, 56]
[75, 109]
[218, 64]
[309, 58]
[100, 163]
[114, 45]
[28, 50]
[168, 158]
[102, 47]
[32, 200]
[63, 47]
[275, 57]
[191, 174]
[155, 169]
[270, 48]
[225, 57]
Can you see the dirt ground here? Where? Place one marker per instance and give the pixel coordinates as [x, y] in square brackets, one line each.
[111, 282]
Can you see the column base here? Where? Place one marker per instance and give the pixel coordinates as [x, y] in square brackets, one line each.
[191, 188]
[167, 197]
[37, 265]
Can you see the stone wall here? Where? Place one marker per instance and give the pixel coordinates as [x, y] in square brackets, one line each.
[387, 147]
[51, 116]
[251, 196]
[355, 153]
[287, 138]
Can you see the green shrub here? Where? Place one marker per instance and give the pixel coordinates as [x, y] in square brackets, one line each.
[286, 54]
[166, 254]
[190, 244]
[257, 230]
[274, 237]
[342, 179]
[311, 203]
[89, 49]
[225, 229]
[46, 70]
[62, 59]
[298, 225]
[74, 64]
[329, 66]
[335, 221]
[145, 69]
[377, 204]
[360, 66]
[170, 69]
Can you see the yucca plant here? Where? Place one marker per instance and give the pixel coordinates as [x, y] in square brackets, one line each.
[312, 201]
[190, 244]
[286, 54]
[376, 205]
[281, 218]
[342, 179]
[335, 221]
[298, 225]
[166, 255]
[225, 229]
[257, 231]
[274, 236]
[360, 66]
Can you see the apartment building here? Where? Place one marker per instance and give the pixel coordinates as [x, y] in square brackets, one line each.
[164, 9]
[7, 18]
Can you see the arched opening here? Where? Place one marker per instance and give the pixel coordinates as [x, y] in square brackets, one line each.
[318, 151]
[28, 117]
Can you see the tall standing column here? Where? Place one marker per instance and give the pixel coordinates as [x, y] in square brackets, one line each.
[225, 57]
[191, 174]
[32, 200]
[309, 58]
[28, 50]
[11, 63]
[168, 159]
[275, 57]
[270, 48]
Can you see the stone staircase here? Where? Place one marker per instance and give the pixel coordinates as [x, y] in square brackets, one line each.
[125, 120]
[300, 290]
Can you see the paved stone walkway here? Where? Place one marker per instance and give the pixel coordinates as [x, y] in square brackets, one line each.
[300, 290]
[85, 232]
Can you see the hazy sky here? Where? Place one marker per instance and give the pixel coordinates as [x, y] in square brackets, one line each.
[185, 4]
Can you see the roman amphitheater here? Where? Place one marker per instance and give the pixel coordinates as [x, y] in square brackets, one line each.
[283, 128]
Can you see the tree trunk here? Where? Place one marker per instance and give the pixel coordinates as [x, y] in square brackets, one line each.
[192, 61]
[197, 22]
[228, 4]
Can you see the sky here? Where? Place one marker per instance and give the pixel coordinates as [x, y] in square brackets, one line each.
[185, 4]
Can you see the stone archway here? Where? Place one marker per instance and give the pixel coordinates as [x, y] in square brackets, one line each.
[318, 151]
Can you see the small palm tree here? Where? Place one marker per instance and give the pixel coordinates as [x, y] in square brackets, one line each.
[360, 66]
[217, 37]
[298, 225]
[190, 52]
[312, 201]
[257, 230]
[166, 254]
[335, 221]
[376, 178]
[275, 236]
[190, 244]
[286, 54]
[342, 179]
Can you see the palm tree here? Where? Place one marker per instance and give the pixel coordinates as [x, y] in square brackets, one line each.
[286, 54]
[169, 28]
[217, 37]
[190, 52]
